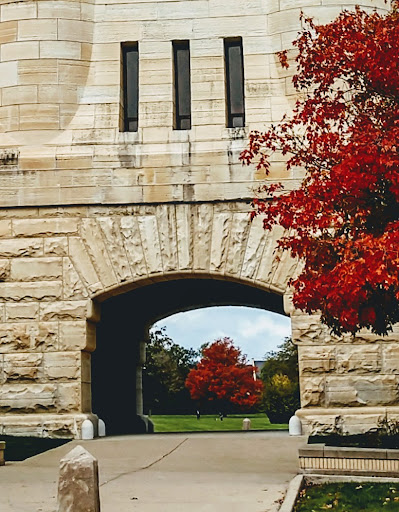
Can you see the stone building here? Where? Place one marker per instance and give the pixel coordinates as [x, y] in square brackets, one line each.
[122, 201]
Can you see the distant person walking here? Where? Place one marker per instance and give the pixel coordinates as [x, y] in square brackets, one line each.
[198, 415]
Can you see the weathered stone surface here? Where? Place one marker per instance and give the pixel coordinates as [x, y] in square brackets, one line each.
[45, 227]
[221, 228]
[151, 246]
[358, 359]
[82, 262]
[116, 250]
[22, 367]
[36, 269]
[316, 359]
[239, 232]
[21, 312]
[254, 249]
[63, 310]
[24, 247]
[341, 391]
[29, 336]
[55, 246]
[203, 236]
[28, 398]
[390, 358]
[312, 391]
[98, 251]
[73, 335]
[40, 290]
[78, 489]
[134, 248]
[4, 269]
[73, 287]
[184, 237]
[166, 218]
[61, 365]
[69, 398]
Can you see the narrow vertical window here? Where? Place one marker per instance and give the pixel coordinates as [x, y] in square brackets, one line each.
[130, 62]
[234, 82]
[181, 60]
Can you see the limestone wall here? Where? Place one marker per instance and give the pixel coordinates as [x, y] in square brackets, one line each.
[348, 384]
[57, 265]
[88, 211]
[60, 82]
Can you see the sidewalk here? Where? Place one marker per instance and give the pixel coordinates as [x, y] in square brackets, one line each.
[228, 472]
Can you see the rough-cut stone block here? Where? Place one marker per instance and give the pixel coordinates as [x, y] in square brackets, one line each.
[69, 397]
[358, 359]
[312, 391]
[78, 488]
[316, 359]
[36, 269]
[25, 247]
[362, 390]
[73, 287]
[82, 262]
[390, 358]
[61, 365]
[73, 335]
[63, 310]
[45, 227]
[57, 246]
[28, 398]
[40, 290]
[22, 367]
[28, 336]
[22, 312]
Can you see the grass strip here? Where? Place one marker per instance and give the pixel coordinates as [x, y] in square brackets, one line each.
[349, 497]
[212, 423]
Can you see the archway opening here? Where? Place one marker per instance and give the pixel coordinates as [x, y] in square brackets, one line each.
[123, 330]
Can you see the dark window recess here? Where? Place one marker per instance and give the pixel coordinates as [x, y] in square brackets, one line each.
[234, 83]
[130, 57]
[181, 59]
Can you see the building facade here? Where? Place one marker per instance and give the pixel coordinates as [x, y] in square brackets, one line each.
[122, 200]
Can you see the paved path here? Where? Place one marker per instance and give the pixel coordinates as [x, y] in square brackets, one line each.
[229, 472]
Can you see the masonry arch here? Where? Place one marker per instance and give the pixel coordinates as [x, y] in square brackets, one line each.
[123, 330]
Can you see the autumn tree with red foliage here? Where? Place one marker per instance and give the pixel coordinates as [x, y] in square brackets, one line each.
[224, 376]
[344, 132]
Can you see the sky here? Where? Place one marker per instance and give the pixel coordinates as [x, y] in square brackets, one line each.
[255, 331]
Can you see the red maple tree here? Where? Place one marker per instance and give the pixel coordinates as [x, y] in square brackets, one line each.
[344, 132]
[224, 375]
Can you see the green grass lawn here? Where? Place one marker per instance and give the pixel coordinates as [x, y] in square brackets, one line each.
[349, 497]
[209, 423]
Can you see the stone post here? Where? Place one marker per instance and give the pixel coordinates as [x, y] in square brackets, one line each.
[78, 482]
[139, 376]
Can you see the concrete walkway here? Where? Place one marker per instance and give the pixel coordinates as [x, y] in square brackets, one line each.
[228, 472]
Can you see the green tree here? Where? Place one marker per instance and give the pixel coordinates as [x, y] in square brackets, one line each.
[281, 382]
[165, 371]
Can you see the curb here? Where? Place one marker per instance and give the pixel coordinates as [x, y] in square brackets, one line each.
[294, 488]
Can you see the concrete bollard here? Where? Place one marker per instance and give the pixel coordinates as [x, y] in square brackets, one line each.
[295, 426]
[78, 482]
[246, 424]
[87, 430]
[101, 428]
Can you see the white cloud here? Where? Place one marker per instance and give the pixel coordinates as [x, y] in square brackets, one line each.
[255, 331]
